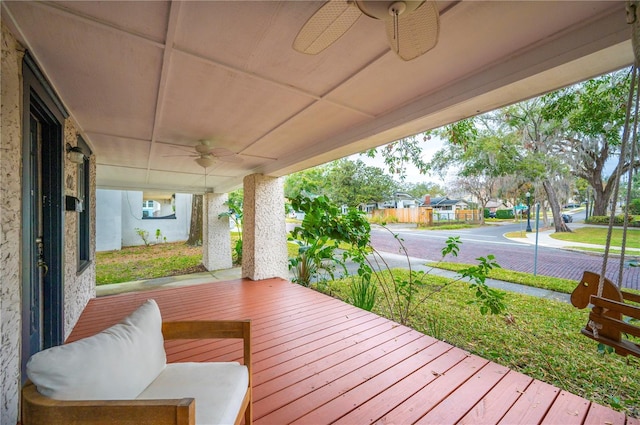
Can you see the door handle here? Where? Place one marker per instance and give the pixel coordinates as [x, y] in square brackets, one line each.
[44, 267]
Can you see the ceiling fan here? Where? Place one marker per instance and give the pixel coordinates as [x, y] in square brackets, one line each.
[412, 26]
[205, 155]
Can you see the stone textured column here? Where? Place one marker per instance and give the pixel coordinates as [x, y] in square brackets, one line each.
[264, 253]
[216, 237]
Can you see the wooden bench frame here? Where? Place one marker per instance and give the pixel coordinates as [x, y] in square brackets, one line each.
[38, 409]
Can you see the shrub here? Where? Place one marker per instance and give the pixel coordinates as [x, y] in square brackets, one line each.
[634, 206]
[504, 214]
[617, 220]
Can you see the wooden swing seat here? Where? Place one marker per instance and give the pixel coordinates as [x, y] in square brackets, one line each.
[606, 320]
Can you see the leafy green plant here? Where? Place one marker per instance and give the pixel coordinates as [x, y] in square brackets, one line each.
[144, 235]
[235, 214]
[363, 293]
[325, 227]
[159, 236]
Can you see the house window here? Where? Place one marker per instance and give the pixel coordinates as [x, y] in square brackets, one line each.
[84, 222]
[160, 206]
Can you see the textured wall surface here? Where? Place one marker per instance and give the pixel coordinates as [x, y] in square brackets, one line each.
[216, 238]
[10, 224]
[79, 287]
[264, 253]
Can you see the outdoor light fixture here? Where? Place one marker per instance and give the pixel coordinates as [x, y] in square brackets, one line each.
[528, 195]
[75, 154]
[205, 161]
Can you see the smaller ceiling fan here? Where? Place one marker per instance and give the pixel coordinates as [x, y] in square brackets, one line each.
[205, 155]
[412, 26]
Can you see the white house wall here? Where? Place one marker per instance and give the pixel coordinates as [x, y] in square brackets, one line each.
[79, 287]
[108, 220]
[175, 230]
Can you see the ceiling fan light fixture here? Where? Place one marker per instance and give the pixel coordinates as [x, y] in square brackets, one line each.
[205, 161]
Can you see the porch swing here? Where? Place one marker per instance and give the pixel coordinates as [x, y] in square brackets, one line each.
[613, 310]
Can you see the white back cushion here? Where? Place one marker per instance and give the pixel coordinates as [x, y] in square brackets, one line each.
[116, 364]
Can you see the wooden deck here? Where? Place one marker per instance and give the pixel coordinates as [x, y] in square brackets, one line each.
[318, 360]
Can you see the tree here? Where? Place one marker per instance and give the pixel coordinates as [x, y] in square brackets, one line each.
[311, 180]
[542, 161]
[418, 190]
[405, 151]
[482, 187]
[195, 228]
[591, 116]
[352, 183]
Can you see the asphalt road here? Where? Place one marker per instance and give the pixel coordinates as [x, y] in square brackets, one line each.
[477, 242]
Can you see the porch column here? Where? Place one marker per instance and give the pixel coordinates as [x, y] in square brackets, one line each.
[264, 253]
[216, 237]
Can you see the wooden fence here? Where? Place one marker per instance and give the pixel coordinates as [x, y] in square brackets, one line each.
[422, 215]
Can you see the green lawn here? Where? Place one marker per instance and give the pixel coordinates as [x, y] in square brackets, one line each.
[598, 236]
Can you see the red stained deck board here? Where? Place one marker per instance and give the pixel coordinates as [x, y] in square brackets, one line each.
[325, 393]
[300, 357]
[286, 388]
[532, 405]
[324, 361]
[459, 402]
[405, 387]
[437, 390]
[568, 409]
[599, 415]
[493, 406]
[423, 351]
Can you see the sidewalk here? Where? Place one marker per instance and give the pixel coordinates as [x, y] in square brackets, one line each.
[545, 239]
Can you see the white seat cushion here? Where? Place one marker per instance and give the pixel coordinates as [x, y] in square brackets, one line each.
[218, 389]
[116, 364]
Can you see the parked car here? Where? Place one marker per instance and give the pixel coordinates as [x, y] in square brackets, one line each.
[567, 218]
[572, 206]
[492, 214]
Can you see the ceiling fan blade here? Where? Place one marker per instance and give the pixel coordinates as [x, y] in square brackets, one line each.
[171, 156]
[229, 158]
[220, 152]
[414, 34]
[326, 26]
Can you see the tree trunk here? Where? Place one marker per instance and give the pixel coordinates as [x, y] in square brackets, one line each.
[195, 229]
[558, 223]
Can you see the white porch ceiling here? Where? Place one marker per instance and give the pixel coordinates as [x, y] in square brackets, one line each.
[147, 80]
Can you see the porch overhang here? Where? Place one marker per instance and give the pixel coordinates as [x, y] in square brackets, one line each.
[146, 81]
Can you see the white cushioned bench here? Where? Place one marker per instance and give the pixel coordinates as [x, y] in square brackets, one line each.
[121, 376]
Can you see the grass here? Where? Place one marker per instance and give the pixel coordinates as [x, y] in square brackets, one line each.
[598, 236]
[154, 261]
[520, 234]
[147, 262]
[540, 338]
[557, 284]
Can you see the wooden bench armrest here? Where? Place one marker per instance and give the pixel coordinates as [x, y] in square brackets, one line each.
[200, 329]
[38, 409]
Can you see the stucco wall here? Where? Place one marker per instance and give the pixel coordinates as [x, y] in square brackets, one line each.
[10, 224]
[78, 287]
[216, 238]
[264, 253]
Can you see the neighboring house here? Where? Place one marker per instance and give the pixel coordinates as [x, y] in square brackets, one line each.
[444, 208]
[120, 213]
